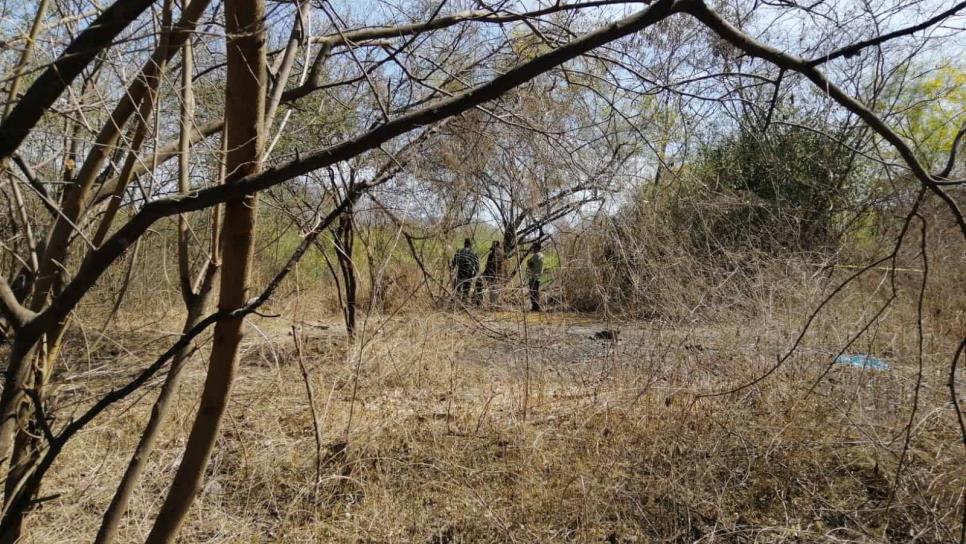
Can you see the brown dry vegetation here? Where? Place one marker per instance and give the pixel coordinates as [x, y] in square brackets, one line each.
[509, 426]
[727, 196]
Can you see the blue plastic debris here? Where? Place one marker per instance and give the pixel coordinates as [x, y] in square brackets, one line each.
[862, 361]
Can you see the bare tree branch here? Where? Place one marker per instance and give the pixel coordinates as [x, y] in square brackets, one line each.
[749, 45]
[855, 48]
[49, 86]
[99, 260]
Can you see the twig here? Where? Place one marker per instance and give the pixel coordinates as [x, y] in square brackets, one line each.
[297, 338]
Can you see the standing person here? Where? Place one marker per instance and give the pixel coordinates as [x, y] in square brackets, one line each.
[492, 273]
[534, 271]
[466, 265]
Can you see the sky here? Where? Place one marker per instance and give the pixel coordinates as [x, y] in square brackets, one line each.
[800, 31]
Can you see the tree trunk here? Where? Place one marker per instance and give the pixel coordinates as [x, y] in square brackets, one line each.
[27, 442]
[344, 242]
[196, 300]
[244, 112]
[16, 367]
[56, 248]
[115, 511]
[18, 371]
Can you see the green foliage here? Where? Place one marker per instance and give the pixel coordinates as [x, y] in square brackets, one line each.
[748, 199]
[775, 192]
[933, 110]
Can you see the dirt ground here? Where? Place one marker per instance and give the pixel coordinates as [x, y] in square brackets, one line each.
[450, 427]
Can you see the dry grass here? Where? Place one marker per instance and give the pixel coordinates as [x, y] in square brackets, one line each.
[615, 445]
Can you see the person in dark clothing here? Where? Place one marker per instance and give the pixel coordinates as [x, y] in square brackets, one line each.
[534, 271]
[466, 265]
[492, 274]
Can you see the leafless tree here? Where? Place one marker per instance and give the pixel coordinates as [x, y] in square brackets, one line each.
[358, 88]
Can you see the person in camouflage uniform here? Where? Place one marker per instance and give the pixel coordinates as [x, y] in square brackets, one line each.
[492, 274]
[466, 265]
[534, 272]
